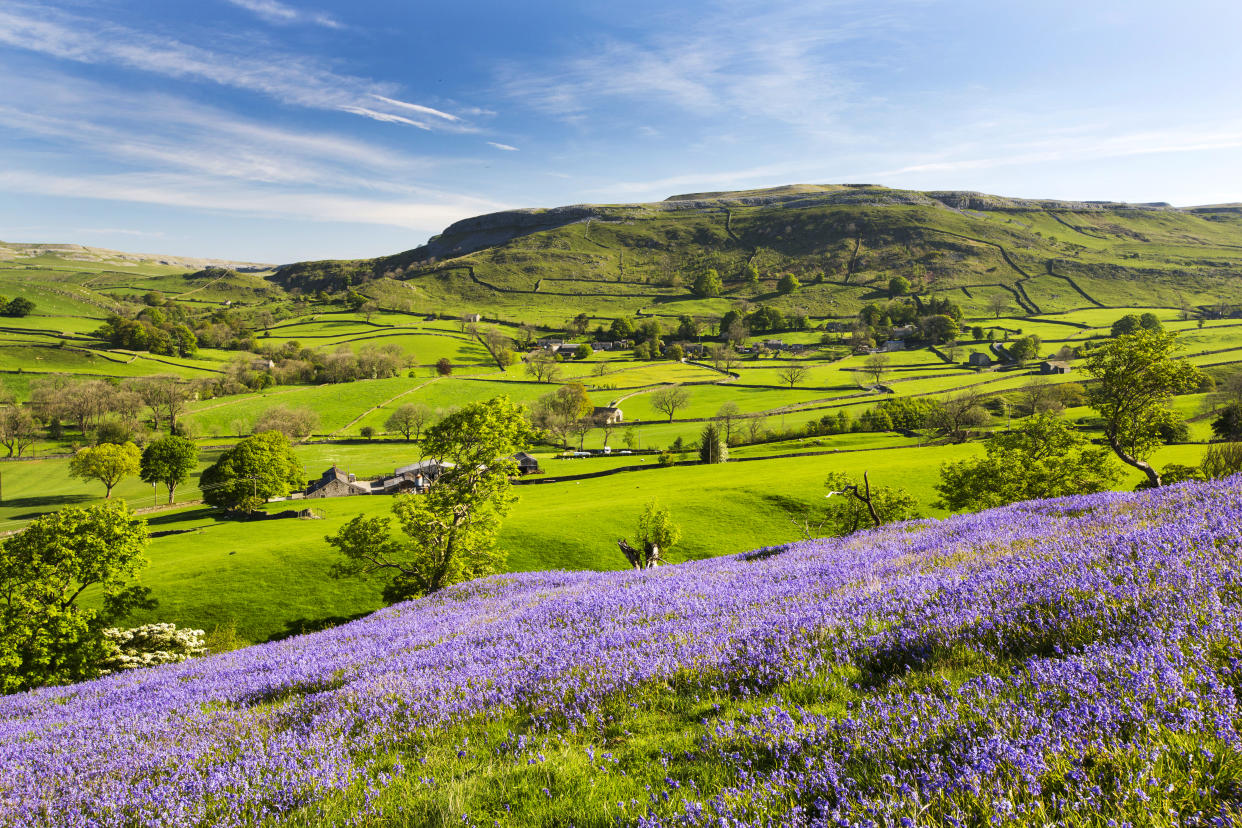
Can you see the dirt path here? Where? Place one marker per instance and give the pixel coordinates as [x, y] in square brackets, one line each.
[355, 420]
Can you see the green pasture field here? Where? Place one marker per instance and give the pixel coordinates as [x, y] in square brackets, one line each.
[272, 577]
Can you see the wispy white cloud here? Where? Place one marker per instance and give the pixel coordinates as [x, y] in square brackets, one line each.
[1062, 147]
[289, 78]
[281, 14]
[731, 59]
[194, 192]
[413, 107]
[499, 146]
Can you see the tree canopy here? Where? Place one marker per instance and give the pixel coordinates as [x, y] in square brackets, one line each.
[108, 463]
[46, 636]
[1042, 457]
[670, 398]
[1138, 375]
[168, 460]
[259, 467]
[656, 534]
[449, 532]
[853, 505]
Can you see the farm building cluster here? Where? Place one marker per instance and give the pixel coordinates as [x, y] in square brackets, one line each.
[415, 478]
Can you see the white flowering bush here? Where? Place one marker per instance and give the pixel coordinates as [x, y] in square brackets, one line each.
[149, 645]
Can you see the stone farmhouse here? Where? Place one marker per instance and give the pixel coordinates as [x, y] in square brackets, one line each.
[416, 478]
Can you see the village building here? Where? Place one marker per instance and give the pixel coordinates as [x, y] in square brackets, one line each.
[607, 414]
[1054, 366]
[527, 464]
[414, 478]
[473, 317]
[336, 483]
[979, 360]
[893, 345]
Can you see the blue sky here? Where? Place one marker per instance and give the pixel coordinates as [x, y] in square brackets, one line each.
[273, 130]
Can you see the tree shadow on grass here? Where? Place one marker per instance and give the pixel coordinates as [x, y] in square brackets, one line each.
[301, 626]
[180, 517]
[43, 504]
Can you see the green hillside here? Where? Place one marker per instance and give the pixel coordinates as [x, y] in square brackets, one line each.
[842, 242]
[277, 337]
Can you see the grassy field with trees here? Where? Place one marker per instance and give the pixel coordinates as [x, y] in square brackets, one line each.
[813, 331]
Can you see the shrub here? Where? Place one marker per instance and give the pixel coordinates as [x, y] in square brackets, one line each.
[149, 645]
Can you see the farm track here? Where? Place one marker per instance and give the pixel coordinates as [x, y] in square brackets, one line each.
[381, 405]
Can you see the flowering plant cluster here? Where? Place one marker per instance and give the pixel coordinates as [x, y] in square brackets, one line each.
[150, 645]
[1069, 661]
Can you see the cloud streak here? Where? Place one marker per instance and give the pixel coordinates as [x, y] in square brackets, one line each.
[288, 78]
[283, 15]
[194, 192]
[736, 60]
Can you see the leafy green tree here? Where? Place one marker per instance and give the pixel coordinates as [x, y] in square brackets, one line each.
[853, 506]
[1138, 375]
[367, 432]
[1026, 348]
[1228, 426]
[258, 468]
[656, 534]
[898, 286]
[444, 367]
[168, 460]
[788, 284]
[46, 636]
[712, 445]
[583, 351]
[19, 306]
[1127, 324]
[108, 463]
[1150, 322]
[939, 328]
[675, 352]
[449, 532]
[751, 274]
[1042, 457]
[1222, 460]
[409, 420]
[708, 284]
[621, 328]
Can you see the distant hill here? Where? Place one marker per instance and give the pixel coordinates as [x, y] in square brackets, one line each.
[77, 252]
[843, 242]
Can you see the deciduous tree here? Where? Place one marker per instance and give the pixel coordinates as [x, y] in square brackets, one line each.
[46, 635]
[792, 373]
[1137, 376]
[168, 460]
[656, 534]
[409, 420]
[853, 505]
[449, 532]
[669, 399]
[256, 469]
[108, 463]
[1043, 457]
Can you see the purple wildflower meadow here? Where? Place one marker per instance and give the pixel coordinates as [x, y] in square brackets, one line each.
[1043, 663]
